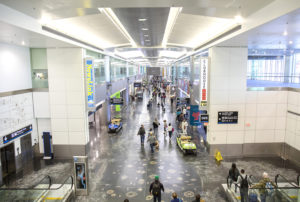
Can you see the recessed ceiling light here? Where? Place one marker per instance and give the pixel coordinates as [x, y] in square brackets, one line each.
[239, 19]
[142, 19]
[23, 43]
[146, 35]
[290, 42]
[144, 29]
[147, 40]
[285, 33]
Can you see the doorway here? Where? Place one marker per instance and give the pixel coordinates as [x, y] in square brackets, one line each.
[8, 160]
[26, 149]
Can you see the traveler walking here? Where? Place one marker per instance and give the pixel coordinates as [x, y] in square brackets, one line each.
[244, 181]
[165, 128]
[184, 126]
[142, 133]
[151, 140]
[175, 198]
[266, 188]
[155, 189]
[233, 175]
[198, 198]
[170, 130]
[155, 126]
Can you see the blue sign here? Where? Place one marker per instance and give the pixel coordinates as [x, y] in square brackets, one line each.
[16, 134]
[90, 82]
[194, 115]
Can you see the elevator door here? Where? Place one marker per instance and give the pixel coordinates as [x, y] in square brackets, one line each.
[8, 160]
[26, 148]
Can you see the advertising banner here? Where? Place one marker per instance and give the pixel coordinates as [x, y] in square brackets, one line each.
[194, 115]
[90, 82]
[203, 84]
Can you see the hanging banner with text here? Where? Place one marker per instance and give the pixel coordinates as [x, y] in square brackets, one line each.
[203, 83]
[90, 82]
[194, 115]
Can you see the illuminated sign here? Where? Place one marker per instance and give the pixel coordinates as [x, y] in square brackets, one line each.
[203, 84]
[16, 134]
[90, 82]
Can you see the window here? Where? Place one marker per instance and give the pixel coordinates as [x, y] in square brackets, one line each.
[266, 68]
[295, 72]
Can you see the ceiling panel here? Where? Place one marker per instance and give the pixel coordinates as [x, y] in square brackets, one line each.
[94, 29]
[270, 35]
[17, 36]
[156, 20]
[193, 30]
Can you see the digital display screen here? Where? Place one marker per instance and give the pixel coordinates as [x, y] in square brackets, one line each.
[80, 176]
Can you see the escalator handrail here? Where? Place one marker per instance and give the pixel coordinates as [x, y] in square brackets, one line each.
[32, 187]
[251, 176]
[64, 182]
[44, 189]
[276, 179]
[298, 179]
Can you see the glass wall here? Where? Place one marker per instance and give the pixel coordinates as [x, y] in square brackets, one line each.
[39, 68]
[117, 69]
[184, 68]
[295, 71]
[267, 68]
[197, 68]
[133, 69]
[99, 62]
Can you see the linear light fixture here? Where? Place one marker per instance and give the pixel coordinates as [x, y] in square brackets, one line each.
[112, 16]
[142, 19]
[173, 14]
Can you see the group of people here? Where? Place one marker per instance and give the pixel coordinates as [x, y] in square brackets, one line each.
[153, 133]
[157, 187]
[240, 179]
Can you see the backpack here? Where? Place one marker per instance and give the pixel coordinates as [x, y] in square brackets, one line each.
[252, 197]
[156, 189]
[244, 182]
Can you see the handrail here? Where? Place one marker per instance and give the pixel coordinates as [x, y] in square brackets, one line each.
[276, 179]
[32, 187]
[49, 188]
[72, 183]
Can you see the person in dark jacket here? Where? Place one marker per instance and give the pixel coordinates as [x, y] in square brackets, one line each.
[155, 189]
[233, 175]
[142, 133]
[198, 198]
[175, 198]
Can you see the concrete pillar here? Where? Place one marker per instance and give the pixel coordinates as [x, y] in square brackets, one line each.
[287, 69]
[127, 83]
[68, 109]
[108, 86]
[192, 78]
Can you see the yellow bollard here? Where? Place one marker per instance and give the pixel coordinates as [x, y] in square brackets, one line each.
[218, 155]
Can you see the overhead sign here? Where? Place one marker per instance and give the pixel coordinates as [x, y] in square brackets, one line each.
[203, 83]
[204, 118]
[183, 100]
[137, 84]
[154, 71]
[229, 117]
[194, 115]
[16, 134]
[116, 101]
[90, 82]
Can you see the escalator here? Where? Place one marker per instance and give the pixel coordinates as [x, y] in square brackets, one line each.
[45, 190]
[286, 191]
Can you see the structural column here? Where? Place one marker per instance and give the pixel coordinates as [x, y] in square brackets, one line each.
[108, 86]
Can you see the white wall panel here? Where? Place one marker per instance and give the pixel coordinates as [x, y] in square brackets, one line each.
[15, 70]
[41, 104]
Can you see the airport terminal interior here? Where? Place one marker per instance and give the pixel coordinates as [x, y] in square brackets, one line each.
[139, 100]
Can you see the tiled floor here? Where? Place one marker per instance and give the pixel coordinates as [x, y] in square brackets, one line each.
[119, 167]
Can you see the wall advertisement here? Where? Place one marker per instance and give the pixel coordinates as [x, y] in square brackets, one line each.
[203, 84]
[90, 82]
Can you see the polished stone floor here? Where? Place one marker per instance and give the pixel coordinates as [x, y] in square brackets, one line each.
[119, 167]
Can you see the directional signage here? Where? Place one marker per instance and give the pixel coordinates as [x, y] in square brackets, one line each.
[228, 117]
[204, 118]
[137, 84]
[183, 100]
[116, 101]
[18, 133]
